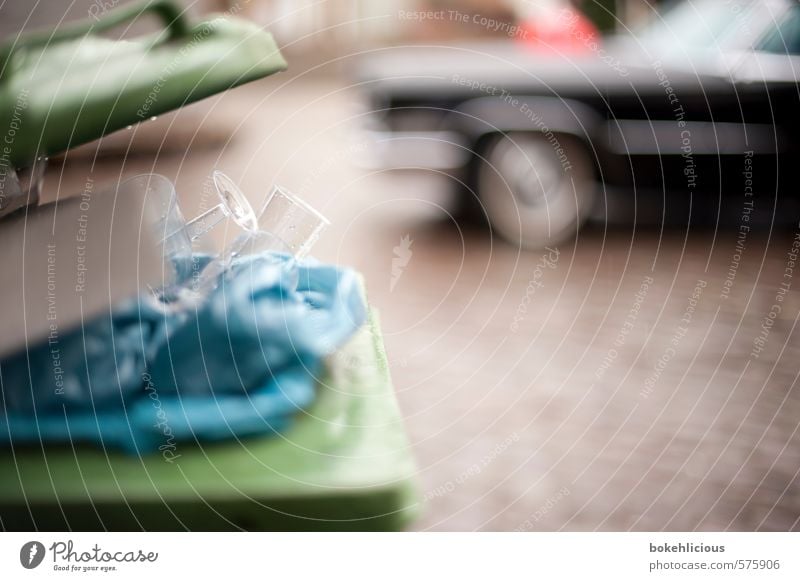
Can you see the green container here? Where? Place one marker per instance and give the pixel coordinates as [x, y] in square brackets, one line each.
[345, 464]
[61, 89]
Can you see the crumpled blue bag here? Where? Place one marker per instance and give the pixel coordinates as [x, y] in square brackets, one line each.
[145, 377]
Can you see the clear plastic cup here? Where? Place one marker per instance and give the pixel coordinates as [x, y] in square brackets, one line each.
[286, 224]
[291, 220]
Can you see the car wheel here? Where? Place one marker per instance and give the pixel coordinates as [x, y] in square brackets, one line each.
[535, 191]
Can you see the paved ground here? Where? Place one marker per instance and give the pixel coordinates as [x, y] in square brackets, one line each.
[580, 402]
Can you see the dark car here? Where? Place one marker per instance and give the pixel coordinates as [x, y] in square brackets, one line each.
[704, 102]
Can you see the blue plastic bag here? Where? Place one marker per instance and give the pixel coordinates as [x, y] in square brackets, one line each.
[242, 362]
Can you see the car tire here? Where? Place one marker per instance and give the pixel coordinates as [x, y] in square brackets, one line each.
[536, 191]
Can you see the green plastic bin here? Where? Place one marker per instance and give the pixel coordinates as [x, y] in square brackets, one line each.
[344, 464]
[62, 89]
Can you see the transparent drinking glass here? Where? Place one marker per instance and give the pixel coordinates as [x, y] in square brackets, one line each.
[286, 225]
[168, 226]
[233, 204]
[176, 235]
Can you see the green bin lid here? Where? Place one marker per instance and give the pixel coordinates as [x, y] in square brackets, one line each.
[65, 88]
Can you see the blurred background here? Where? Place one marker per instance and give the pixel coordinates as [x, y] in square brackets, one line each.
[604, 383]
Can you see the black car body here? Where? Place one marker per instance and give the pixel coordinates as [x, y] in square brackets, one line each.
[694, 104]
